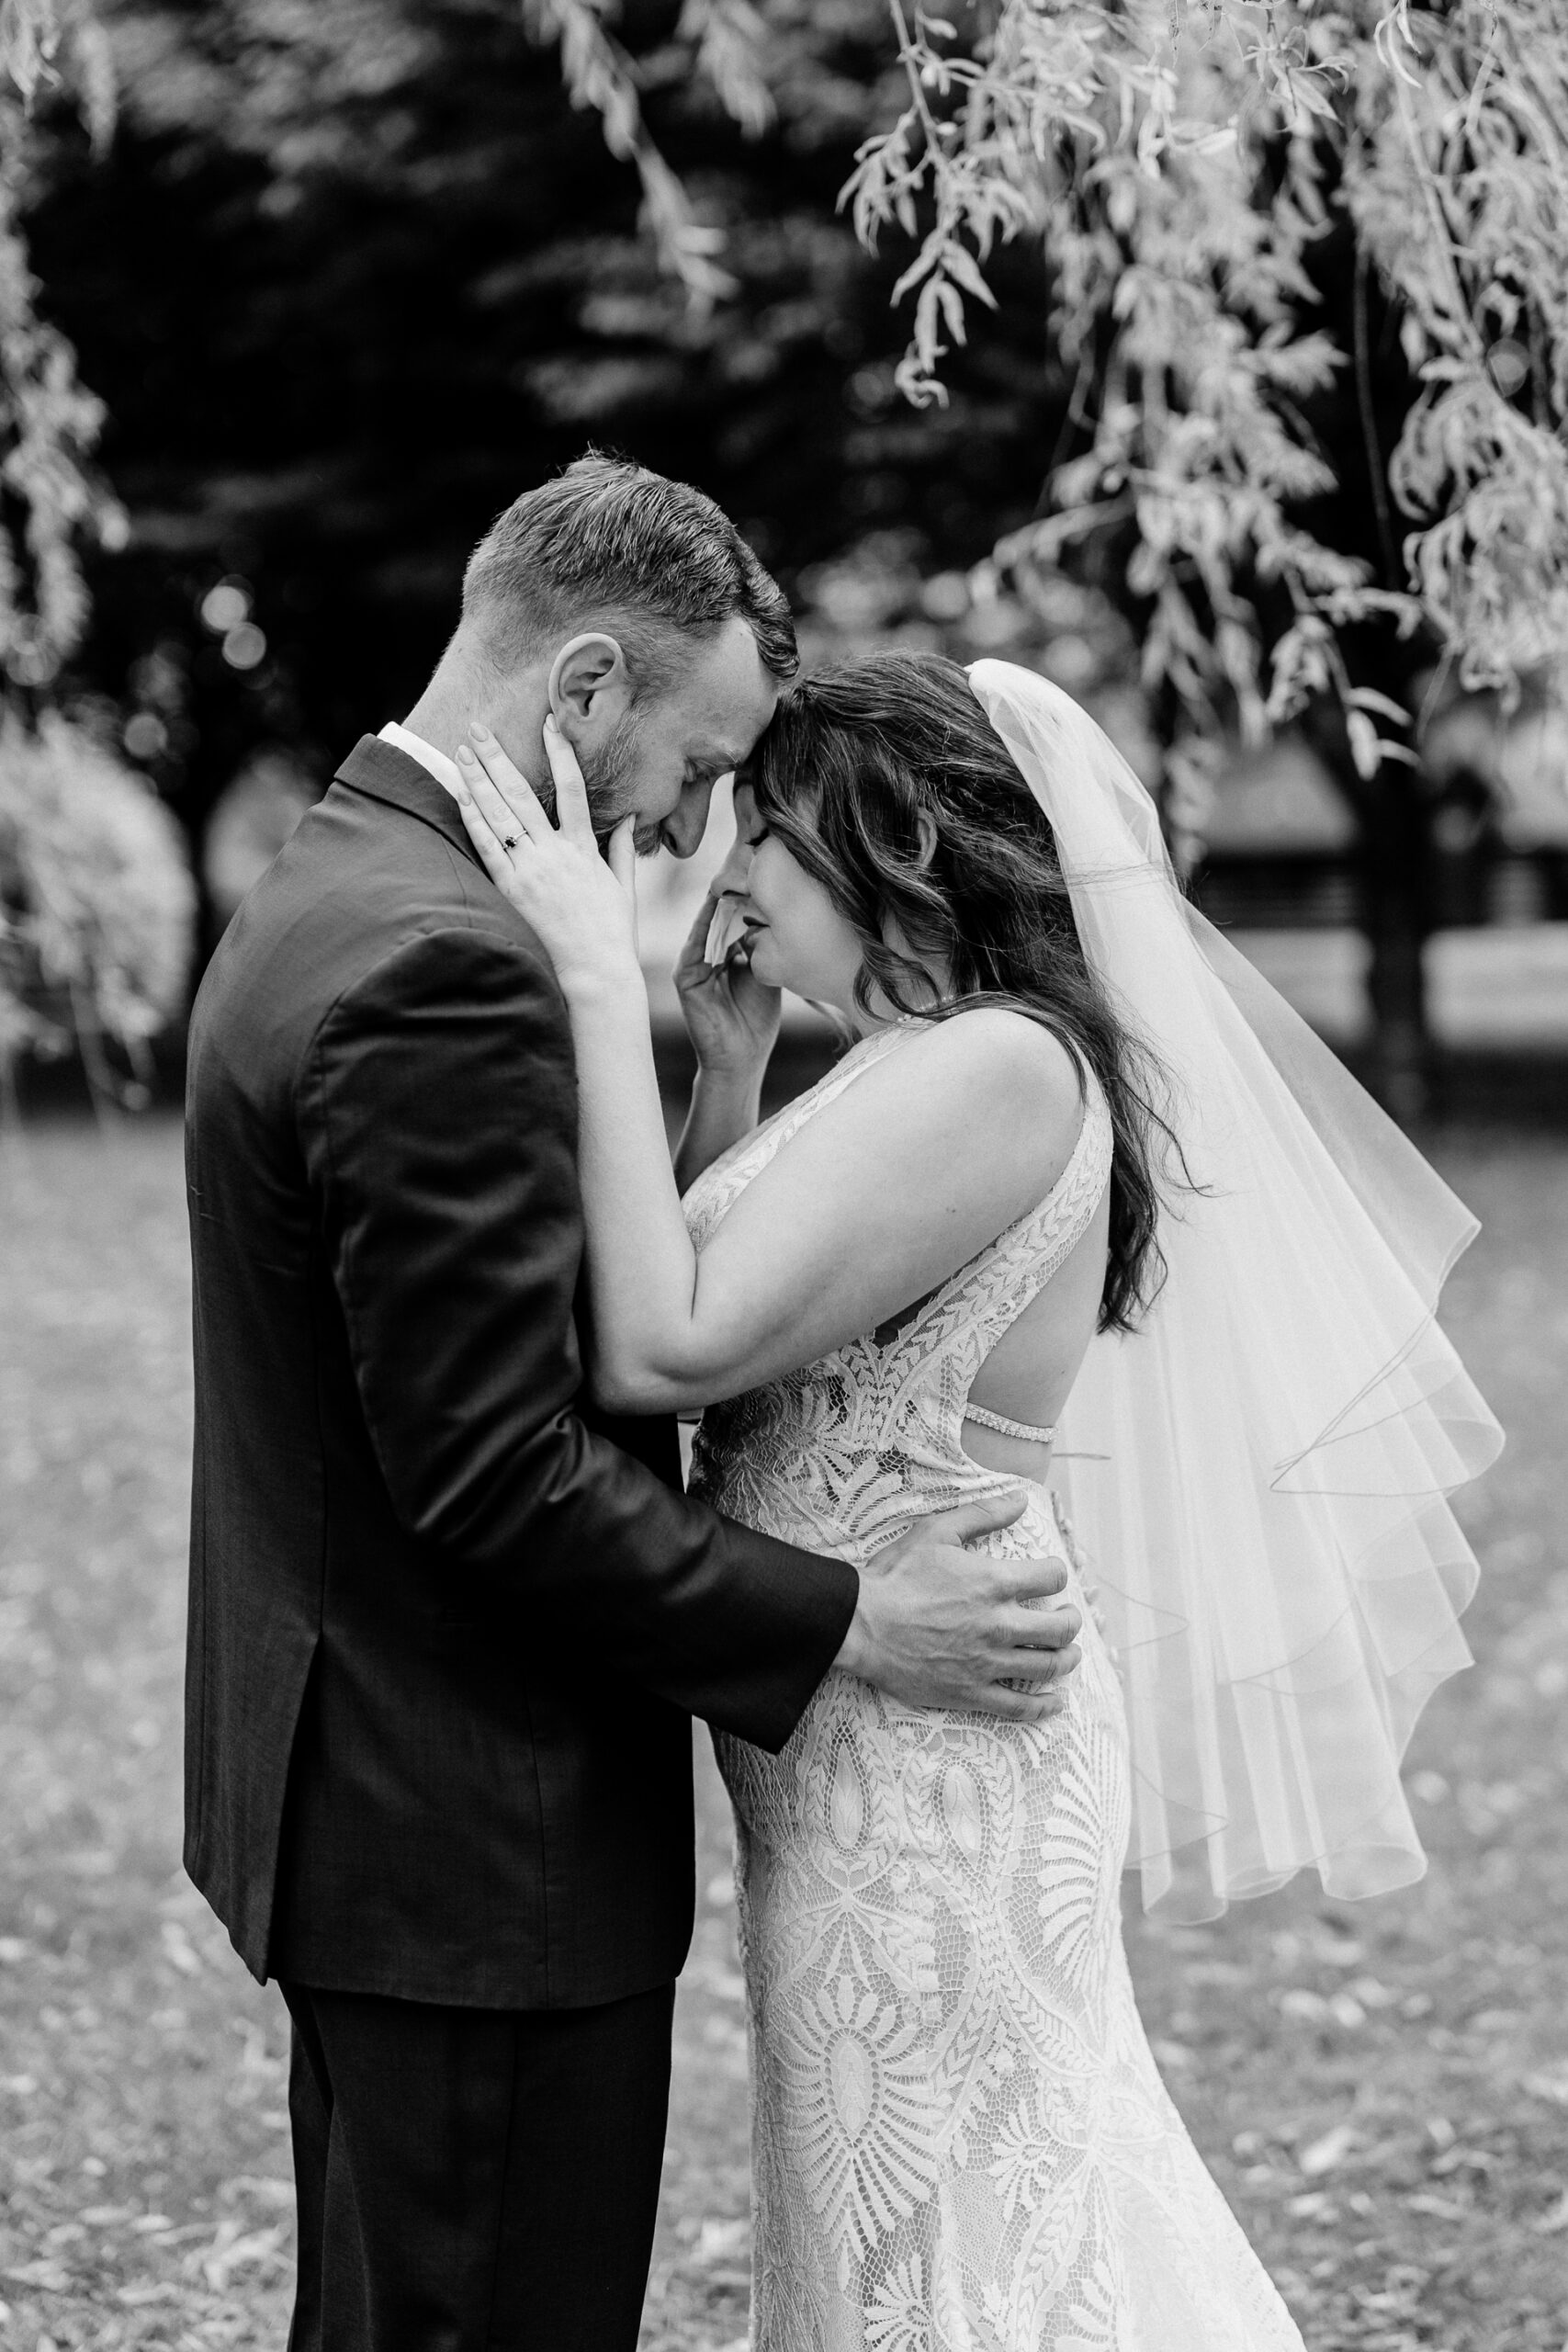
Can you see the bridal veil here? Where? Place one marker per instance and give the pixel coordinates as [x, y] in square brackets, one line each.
[1258, 1474]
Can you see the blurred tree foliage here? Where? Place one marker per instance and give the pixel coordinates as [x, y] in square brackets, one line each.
[97, 904]
[95, 892]
[1307, 264]
[49, 499]
[349, 277]
[1219, 303]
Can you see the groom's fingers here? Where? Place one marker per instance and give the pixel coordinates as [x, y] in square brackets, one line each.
[1045, 1669]
[1045, 1629]
[963, 1525]
[956, 1527]
[1025, 1580]
[571, 791]
[1019, 1706]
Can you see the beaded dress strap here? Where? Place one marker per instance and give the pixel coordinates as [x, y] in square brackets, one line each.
[1006, 1427]
[987, 1296]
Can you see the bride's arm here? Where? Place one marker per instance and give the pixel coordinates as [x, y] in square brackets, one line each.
[725, 1107]
[879, 1198]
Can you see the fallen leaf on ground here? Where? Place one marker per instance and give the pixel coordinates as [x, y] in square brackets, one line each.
[1332, 2149]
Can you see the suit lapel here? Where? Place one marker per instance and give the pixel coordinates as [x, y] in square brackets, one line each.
[383, 773]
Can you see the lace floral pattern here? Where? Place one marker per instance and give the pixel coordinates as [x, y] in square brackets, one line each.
[961, 2142]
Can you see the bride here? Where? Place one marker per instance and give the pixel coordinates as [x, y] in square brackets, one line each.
[1082, 1207]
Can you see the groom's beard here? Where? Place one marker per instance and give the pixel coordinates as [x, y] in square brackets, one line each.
[608, 774]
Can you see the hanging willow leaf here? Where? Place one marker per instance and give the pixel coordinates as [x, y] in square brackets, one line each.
[1178, 164]
[1175, 169]
[727, 41]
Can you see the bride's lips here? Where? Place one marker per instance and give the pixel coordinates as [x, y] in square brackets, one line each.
[743, 945]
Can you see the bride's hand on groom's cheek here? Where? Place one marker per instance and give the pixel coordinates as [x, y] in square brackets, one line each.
[583, 909]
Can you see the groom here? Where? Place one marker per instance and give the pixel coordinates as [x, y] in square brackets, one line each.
[449, 1624]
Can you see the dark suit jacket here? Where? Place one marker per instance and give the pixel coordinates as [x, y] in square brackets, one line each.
[446, 1632]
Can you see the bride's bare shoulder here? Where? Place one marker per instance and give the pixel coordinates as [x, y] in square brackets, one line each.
[998, 1055]
[989, 1075]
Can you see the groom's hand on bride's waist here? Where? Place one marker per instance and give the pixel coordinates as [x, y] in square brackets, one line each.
[939, 1626]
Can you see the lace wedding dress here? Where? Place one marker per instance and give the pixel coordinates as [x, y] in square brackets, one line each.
[960, 2140]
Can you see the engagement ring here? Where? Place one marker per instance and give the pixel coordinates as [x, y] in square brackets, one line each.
[509, 840]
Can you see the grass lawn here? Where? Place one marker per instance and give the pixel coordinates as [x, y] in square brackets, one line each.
[1382, 2090]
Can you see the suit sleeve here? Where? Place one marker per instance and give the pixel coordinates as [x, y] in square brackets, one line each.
[438, 1118]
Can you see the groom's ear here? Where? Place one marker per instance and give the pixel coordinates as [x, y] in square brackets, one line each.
[588, 686]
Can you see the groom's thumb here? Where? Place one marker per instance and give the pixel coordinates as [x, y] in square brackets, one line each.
[961, 1526]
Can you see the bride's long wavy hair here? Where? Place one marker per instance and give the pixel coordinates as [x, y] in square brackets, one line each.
[854, 759]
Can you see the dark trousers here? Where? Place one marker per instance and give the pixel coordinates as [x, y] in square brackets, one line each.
[475, 2180]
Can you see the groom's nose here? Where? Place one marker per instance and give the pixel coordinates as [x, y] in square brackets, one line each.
[683, 829]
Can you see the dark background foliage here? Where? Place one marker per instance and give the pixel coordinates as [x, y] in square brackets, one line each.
[349, 277]
[343, 306]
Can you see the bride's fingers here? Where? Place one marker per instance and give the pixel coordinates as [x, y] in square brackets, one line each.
[509, 781]
[725, 945]
[507, 824]
[482, 833]
[693, 962]
[575, 816]
[623, 857]
[622, 865]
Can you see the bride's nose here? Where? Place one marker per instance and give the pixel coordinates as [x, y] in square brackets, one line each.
[735, 871]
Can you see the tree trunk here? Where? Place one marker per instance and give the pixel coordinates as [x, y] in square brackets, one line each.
[1396, 879]
[1396, 883]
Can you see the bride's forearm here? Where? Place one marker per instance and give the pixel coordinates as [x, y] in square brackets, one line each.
[641, 1265]
[726, 1106]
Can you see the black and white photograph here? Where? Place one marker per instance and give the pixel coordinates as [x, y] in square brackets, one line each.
[784, 1176]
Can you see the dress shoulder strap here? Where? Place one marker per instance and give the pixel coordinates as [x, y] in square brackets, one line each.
[709, 1200]
[991, 1291]
[1032, 1432]
[785, 1125]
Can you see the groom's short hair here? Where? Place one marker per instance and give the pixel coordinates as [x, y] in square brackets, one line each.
[610, 544]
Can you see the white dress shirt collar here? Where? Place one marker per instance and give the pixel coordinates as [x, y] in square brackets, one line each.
[435, 763]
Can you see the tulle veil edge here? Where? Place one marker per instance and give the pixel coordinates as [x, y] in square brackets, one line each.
[1259, 1477]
